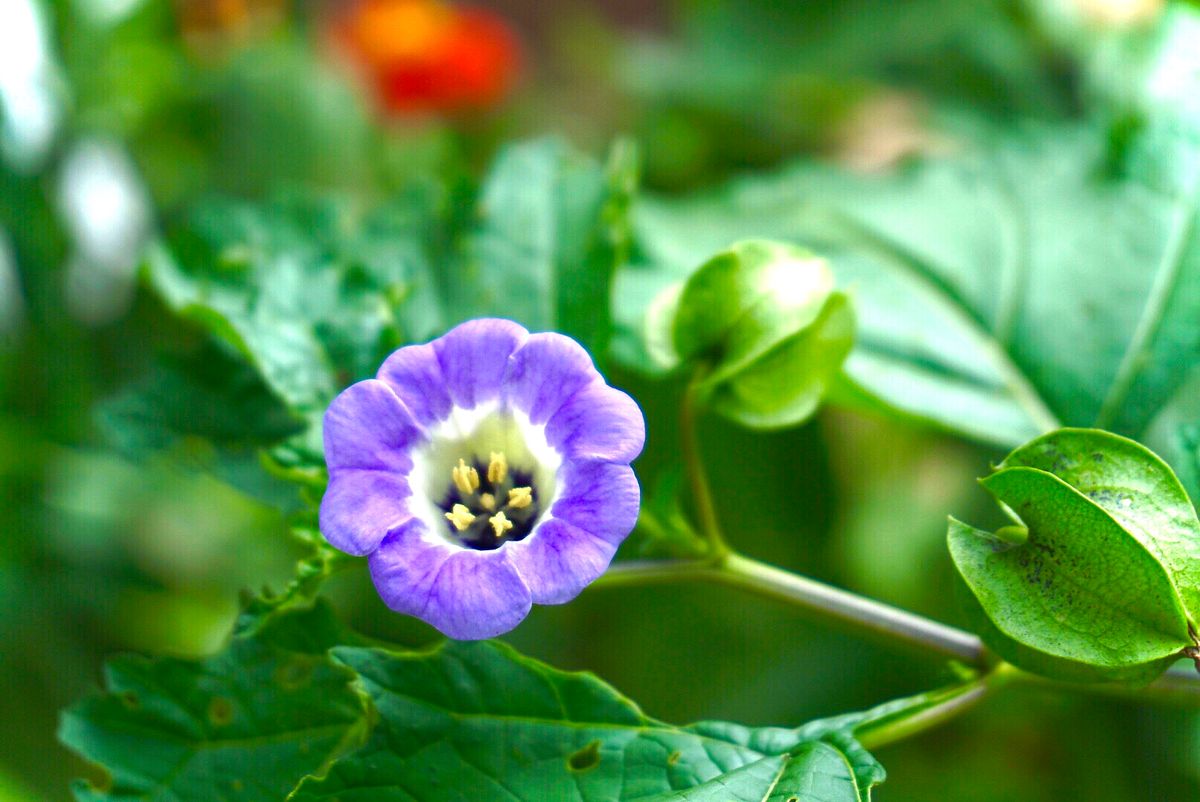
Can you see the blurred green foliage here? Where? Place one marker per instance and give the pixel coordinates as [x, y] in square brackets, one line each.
[122, 441]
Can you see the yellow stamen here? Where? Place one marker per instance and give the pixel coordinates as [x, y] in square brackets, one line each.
[520, 497]
[500, 524]
[497, 468]
[461, 517]
[466, 478]
[487, 501]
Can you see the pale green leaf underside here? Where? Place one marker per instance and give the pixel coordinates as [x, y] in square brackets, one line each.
[479, 719]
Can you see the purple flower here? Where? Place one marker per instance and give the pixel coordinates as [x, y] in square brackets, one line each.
[482, 472]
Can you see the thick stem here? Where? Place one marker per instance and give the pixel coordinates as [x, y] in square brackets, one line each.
[883, 622]
[853, 612]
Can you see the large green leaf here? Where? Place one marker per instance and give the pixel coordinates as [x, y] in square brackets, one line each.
[247, 723]
[551, 228]
[478, 719]
[1022, 276]
[1030, 278]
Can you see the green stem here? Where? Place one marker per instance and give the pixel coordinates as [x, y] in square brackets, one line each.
[877, 620]
[956, 701]
[853, 612]
[693, 461]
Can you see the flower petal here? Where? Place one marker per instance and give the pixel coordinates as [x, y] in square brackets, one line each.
[360, 507]
[598, 423]
[602, 498]
[545, 372]
[559, 560]
[415, 375]
[368, 427]
[474, 356]
[464, 593]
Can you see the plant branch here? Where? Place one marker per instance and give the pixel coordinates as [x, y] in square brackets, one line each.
[853, 612]
[877, 620]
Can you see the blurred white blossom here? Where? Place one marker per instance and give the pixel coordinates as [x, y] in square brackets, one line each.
[107, 214]
[29, 105]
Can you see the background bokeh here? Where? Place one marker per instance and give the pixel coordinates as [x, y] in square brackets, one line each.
[117, 115]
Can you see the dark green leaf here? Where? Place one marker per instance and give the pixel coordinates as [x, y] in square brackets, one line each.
[1028, 277]
[247, 723]
[479, 716]
[307, 291]
[314, 293]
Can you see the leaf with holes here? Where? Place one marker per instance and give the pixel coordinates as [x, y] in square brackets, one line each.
[480, 716]
[247, 723]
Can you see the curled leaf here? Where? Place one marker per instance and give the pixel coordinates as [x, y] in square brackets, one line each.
[1104, 585]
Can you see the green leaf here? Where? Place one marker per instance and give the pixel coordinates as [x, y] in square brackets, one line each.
[552, 226]
[480, 716]
[1133, 486]
[306, 290]
[246, 723]
[1030, 276]
[1048, 665]
[207, 408]
[766, 318]
[1078, 587]
[314, 293]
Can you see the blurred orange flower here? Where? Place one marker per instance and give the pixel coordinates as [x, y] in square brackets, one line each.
[425, 56]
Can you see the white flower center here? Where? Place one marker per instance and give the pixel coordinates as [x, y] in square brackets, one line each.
[486, 476]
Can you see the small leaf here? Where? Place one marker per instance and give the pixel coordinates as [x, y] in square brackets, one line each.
[480, 716]
[766, 317]
[247, 723]
[1082, 597]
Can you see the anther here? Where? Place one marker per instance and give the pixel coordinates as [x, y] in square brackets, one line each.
[500, 524]
[487, 501]
[520, 497]
[461, 517]
[466, 478]
[497, 468]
